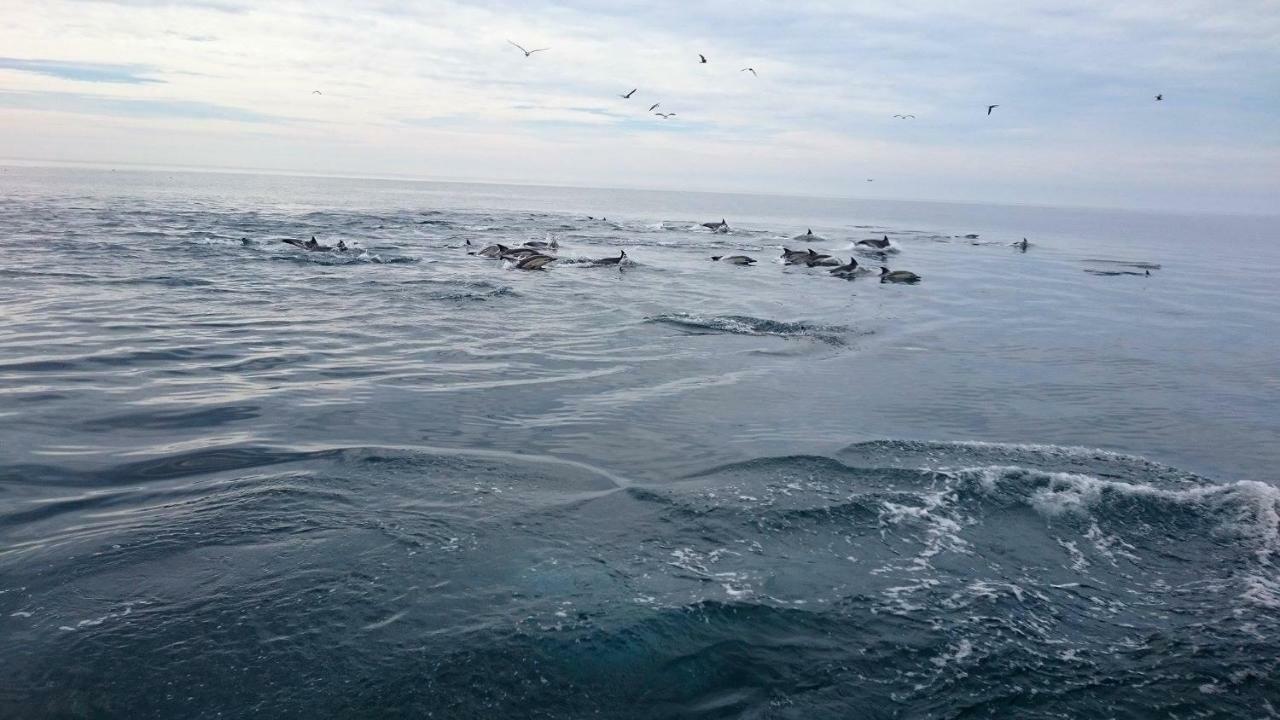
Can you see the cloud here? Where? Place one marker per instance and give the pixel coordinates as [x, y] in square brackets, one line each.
[82, 72]
[1075, 84]
[83, 104]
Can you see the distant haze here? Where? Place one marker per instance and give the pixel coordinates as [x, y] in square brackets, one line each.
[433, 90]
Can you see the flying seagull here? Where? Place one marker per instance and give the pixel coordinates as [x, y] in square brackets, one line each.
[906, 117]
[316, 92]
[627, 96]
[527, 53]
[750, 70]
[665, 116]
[991, 107]
[1160, 97]
[703, 58]
[654, 106]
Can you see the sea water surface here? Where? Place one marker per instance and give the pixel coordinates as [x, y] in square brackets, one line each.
[238, 479]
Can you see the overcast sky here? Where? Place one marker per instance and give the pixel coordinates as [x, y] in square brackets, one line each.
[431, 89]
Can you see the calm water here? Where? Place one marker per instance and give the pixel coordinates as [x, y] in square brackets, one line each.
[238, 479]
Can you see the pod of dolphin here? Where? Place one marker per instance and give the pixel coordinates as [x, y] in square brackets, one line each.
[534, 255]
[812, 258]
[537, 255]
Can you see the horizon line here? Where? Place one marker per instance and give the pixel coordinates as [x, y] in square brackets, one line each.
[9, 161]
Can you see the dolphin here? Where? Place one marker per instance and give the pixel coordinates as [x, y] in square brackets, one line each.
[814, 259]
[849, 271]
[534, 262]
[898, 276]
[734, 259]
[518, 253]
[310, 245]
[791, 257]
[622, 255]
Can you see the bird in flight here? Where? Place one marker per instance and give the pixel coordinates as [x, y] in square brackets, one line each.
[906, 117]
[627, 96]
[702, 58]
[991, 107]
[750, 70]
[665, 116]
[654, 106]
[527, 53]
[1159, 97]
[316, 92]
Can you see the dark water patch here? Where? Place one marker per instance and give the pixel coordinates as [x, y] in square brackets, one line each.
[476, 296]
[458, 290]
[1116, 273]
[117, 360]
[161, 280]
[36, 397]
[174, 419]
[190, 464]
[747, 325]
[1126, 263]
[266, 363]
[19, 273]
[1049, 458]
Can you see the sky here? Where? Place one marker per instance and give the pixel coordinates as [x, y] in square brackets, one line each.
[432, 89]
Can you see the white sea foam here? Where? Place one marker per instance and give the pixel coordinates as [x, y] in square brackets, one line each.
[962, 650]
[941, 531]
[1262, 591]
[1249, 510]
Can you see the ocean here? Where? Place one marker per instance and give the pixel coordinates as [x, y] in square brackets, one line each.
[239, 479]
